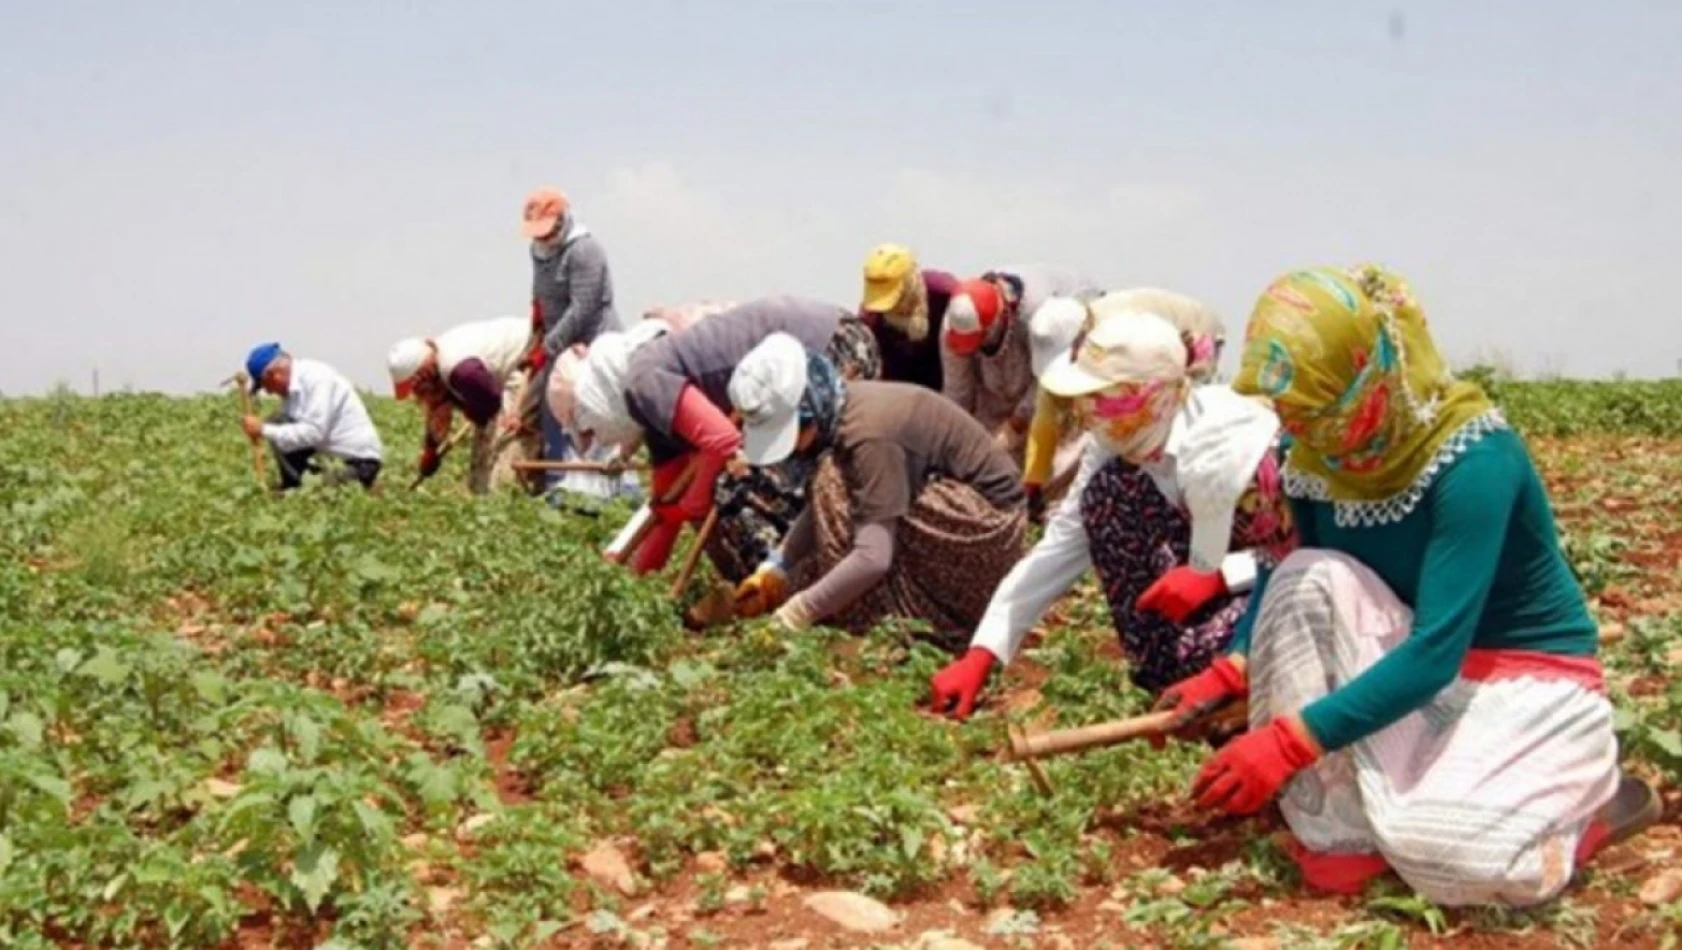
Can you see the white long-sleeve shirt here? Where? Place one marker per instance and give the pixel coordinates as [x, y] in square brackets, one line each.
[324, 413]
[1064, 554]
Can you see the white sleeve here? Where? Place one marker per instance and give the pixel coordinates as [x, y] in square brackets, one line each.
[1238, 569]
[1047, 573]
[307, 429]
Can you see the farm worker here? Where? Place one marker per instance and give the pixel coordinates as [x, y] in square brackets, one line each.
[1161, 445]
[476, 368]
[905, 307]
[911, 509]
[672, 391]
[572, 302]
[1051, 458]
[1422, 679]
[322, 414]
[986, 356]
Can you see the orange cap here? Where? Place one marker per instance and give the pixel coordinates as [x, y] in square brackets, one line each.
[973, 311]
[545, 208]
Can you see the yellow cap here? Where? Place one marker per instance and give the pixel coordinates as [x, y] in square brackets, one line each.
[886, 272]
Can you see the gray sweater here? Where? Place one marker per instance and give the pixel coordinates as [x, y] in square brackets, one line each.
[573, 290]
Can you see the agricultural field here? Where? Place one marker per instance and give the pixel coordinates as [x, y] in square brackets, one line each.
[423, 719]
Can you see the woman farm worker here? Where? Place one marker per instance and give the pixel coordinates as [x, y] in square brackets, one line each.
[1421, 672]
[673, 393]
[1051, 457]
[1161, 445]
[912, 510]
[987, 361]
[474, 367]
[905, 305]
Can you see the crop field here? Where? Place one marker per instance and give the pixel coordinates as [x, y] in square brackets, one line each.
[424, 719]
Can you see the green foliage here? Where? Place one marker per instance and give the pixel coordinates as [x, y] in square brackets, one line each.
[216, 703]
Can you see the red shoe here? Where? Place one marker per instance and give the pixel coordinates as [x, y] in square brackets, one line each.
[1634, 807]
[1345, 874]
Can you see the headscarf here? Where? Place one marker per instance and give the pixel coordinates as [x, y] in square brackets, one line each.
[820, 404]
[599, 389]
[562, 391]
[910, 313]
[1347, 360]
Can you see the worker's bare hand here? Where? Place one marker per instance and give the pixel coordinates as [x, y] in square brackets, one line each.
[253, 427]
[737, 466]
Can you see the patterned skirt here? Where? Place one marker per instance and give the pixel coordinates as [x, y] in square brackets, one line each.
[1137, 536]
[950, 551]
[754, 512]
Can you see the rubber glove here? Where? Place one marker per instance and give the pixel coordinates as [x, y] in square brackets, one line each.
[762, 592]
[1181, 592]
[956, 687]
[1246, 773]
[1200, 694]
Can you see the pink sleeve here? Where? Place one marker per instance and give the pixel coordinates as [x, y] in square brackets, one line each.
[701, 424]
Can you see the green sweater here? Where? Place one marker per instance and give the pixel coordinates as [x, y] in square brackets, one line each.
[1478, 561]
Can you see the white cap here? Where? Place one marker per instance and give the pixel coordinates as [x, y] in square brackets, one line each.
[1127, 347]
[1227, 436]
[1052, 330]
[404, 360]
[961, 315]
[766, 389]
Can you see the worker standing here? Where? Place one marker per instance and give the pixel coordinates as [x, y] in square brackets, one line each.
[572, 302]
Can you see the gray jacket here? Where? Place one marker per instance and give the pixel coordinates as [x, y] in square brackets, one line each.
[573, 290]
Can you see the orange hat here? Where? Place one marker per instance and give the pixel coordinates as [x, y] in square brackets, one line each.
[545, 208]
[973, 311]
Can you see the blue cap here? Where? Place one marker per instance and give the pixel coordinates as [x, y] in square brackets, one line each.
[261, 356]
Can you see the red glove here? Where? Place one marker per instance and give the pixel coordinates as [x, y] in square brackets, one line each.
[1200, 694]
[1181, 592]
[1248, 771]
[429, 460]
[956, 687]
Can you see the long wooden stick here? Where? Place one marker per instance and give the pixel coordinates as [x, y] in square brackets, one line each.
[702, 534]
[604, 468]
[1065, 741]
[244, 383]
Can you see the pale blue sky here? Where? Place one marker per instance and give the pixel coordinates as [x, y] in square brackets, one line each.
[181, 180]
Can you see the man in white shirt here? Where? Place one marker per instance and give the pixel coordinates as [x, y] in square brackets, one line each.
[322, 414]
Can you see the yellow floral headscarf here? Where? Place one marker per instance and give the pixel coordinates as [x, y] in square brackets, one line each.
[1347, 360]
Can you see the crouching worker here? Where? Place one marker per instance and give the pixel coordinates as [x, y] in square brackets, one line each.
[476, 368]
[1422, 679]
[671, 391]
[911, 510]
[1163, 449]
[322, 415]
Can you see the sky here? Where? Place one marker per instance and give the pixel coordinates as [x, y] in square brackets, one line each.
[180, 181]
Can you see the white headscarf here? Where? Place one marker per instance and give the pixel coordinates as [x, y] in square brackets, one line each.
[1226, 436]
[599, 388]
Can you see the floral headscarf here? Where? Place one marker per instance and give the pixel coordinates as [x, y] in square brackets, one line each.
[1350, 366]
